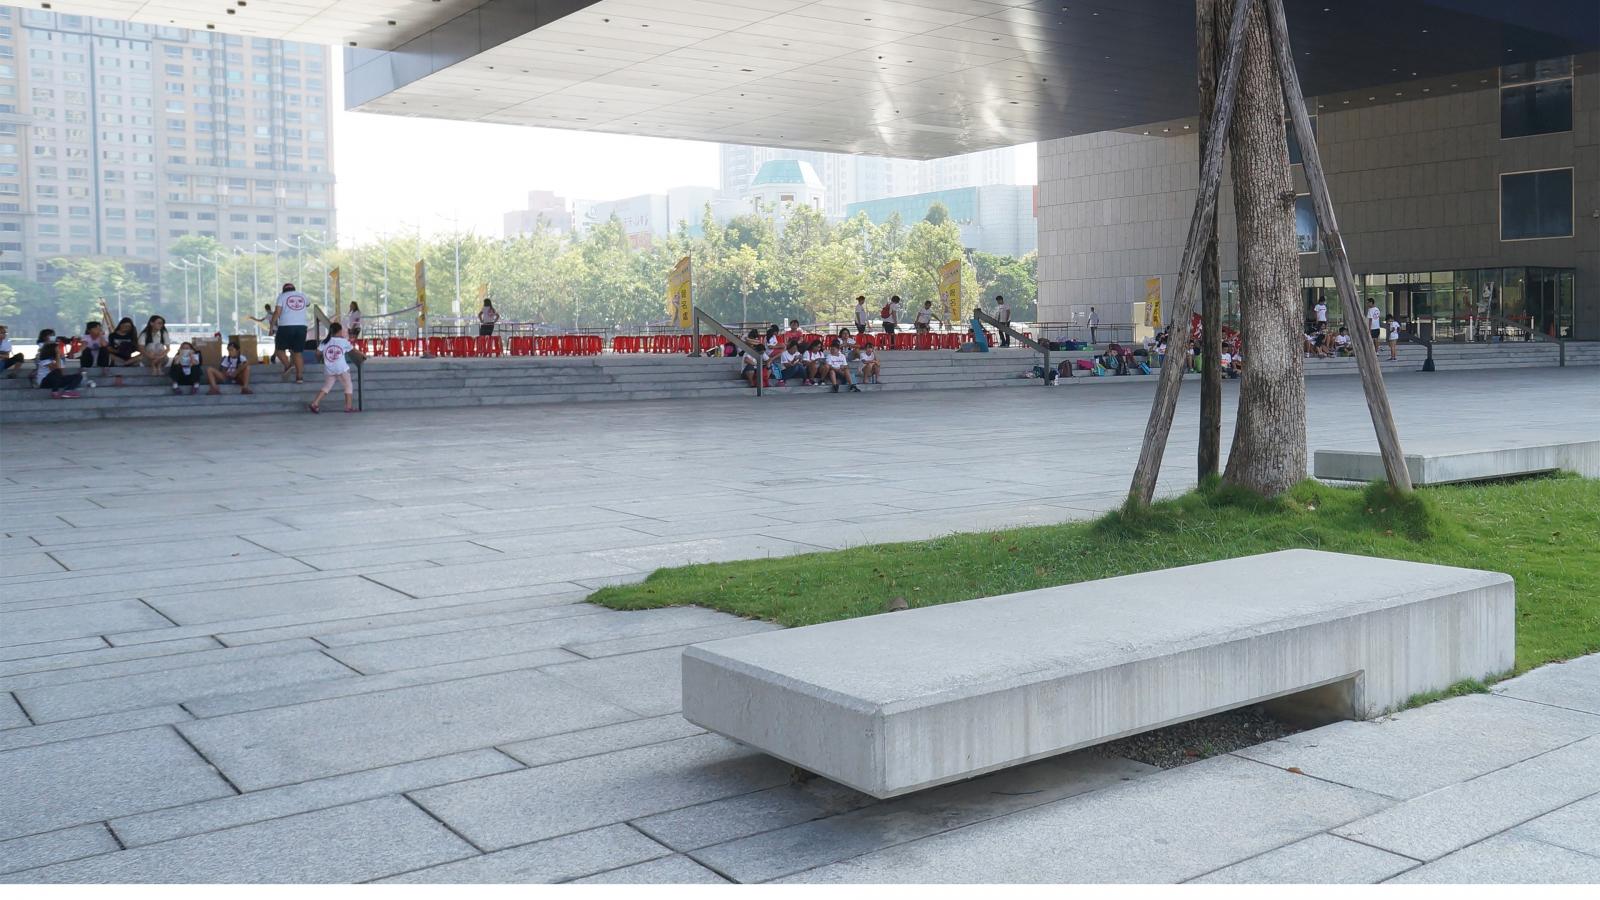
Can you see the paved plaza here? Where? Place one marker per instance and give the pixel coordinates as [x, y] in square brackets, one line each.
[355, 648]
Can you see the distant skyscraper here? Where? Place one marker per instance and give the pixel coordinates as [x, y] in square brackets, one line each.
[117, 139]
[545, 208]
[849, 178]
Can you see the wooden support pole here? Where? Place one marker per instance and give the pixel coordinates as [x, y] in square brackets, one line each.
[1205, 212]
[1208, 456]
[1394, 463]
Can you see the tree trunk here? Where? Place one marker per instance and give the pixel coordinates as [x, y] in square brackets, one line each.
[1268, 455]
[1211, 35]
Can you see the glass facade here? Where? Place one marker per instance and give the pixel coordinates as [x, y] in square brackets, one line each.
[1459, 306]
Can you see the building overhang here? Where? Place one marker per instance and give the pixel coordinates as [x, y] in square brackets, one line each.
[908, 78]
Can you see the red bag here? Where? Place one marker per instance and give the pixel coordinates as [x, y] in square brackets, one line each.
[884, 313]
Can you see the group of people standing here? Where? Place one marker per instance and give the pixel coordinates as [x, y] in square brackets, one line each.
[890, 315]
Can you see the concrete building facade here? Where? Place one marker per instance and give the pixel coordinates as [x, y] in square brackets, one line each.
[1469, 204]
[851, 178]
[119, 138]
[545, 209]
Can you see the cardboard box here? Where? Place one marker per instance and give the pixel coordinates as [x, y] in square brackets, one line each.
[210, 350]
[247, 346]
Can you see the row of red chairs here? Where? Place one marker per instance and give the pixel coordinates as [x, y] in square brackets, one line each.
[662, 343]
[558, 345]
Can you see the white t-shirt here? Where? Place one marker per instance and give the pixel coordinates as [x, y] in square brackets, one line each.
[352, 319]
[924, 316]
[333, 351]
[836, 360]
[866, 355]
[487, 316]
[1003, 313]
[41, 368]
[788, 359]
[231, 364]
[894, 313]
[862, 315]
[812, 355]
[293, 306]
[1394, 329]
[1321, 310]
[5, 345]
[1341, 340]
[1094, 318]
[1373, 317]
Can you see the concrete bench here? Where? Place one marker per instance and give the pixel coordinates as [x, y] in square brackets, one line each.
[1473, 459]
[894, 703]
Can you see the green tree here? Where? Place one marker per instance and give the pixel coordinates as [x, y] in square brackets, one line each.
[927, 248]
[1009, 276]
[938, 214]
[82, 284]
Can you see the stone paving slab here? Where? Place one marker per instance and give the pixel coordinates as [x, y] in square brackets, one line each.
[1107, 836]
[1430, 747]
[73, 729]
[21, 564]
[521, 807]
[1570, 685]
[766, 854]
[359, 842]
[1508, 859]
[466, 577]
[106, 695]
[671, 638]
[53, 786]
[389, 656]
[35, 625]
[55, 846]
[667, 870]
[648, 683]
[286, 744]
[195, 578]
[605, 739]
[101, 654]
[775, 808]
[153, 554]
[521, 611]
[315, 596]
[1437, 823]
[324, 793]
[546, 862]
[200, 656]
[1319, 859]
[1575, 826]
[50, 648]
[11, 715]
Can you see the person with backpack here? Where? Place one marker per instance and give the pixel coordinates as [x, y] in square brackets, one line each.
[891, 316]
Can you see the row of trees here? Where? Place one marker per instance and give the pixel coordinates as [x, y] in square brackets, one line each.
[746, 270]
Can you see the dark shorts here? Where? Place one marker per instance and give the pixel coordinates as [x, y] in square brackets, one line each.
[1375, 333]
[291, 338]
[485, 330]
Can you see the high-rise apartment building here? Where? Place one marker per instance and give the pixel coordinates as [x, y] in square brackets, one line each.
[118, 138]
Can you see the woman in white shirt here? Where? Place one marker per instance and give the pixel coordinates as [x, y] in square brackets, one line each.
[352, 322]
[790, 362]
[869, 364]
[335, 367]
[815, 362]
[838, 366]
[154, 344]
[1394, 338]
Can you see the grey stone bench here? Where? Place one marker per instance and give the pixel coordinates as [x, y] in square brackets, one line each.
[1474, 459]
[893, 703]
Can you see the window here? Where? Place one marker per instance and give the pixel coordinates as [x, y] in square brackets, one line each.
[1536, 205]
[1536, 98]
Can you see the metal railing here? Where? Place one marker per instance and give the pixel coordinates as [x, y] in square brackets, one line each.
[758, 349]
[1005, 328]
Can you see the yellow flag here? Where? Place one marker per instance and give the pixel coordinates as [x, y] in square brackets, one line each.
[680, 294]
[421, 277]
[950, 289]
[1152, 301]
[333, 288]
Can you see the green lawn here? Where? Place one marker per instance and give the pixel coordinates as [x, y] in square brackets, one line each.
[1545, 532]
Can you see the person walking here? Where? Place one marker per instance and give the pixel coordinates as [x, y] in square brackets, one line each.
[1094, 323]
[1002, 314]
[1320, 312]
[335, 368]
[1374, 322]
[1394, 338]
[863, 315]
[289, 336]
[891, 317]
[487, 317]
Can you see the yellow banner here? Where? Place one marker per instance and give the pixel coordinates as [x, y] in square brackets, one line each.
[680, 294]
[1152, 302]
[950, 290]
[483, 292]
[421, 277]
[333, 292]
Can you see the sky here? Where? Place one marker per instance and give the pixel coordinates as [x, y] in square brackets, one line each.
[399, 175]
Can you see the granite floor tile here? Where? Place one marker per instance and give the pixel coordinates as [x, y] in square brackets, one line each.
[545, 862]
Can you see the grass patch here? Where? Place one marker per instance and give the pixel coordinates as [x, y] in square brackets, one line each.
[1544, 532]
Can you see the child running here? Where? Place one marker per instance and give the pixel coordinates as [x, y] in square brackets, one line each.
[335, 368]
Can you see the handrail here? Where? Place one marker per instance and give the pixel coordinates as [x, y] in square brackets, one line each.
[1044, 349]
[759, 349]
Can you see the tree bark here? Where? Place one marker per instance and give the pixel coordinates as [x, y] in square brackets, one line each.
[1268, 455]
[1211, 34]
